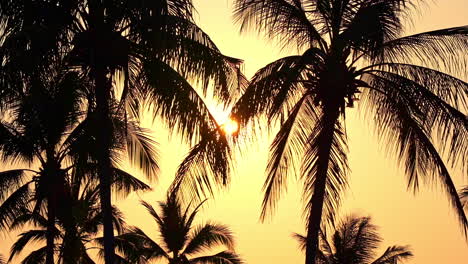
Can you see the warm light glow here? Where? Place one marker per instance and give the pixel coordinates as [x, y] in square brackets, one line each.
[230, 127]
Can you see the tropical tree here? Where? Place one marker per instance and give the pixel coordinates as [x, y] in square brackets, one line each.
[355, 241]
[77, 234]
[350, 50]
[49, 126]
[39, 119]
[155, 47]
[182, 243]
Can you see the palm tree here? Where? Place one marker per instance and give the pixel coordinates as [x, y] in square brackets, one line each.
[354, 242]
[40, 118]
[48, 126]
[350, 50]
[73, 236]
[182, 243]
[154, 45]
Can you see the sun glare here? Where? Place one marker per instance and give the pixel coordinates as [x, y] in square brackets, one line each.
[230, 127]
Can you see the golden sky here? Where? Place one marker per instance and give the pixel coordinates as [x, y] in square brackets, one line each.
[377, 185]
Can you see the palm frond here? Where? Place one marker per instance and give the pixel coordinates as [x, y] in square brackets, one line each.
[367, 25]
[142, 149]
[286, 151]
[401, 120]
[35, 257]
[325, 159]
[15, 205]
[24, 239]
[323, 253]
[205, 167]
[275, 85]
[394, 254]
[207, 236]
[302, 240]
[14, 147]
[284, 20]
[28, 218]
[135, 239]
[192, 53]
[176, 100]
[439, 97]
[124, 183]
[442, 48]
[153, 213]
[131, 245]
[224, 257]
[11, 179]
[356, 239]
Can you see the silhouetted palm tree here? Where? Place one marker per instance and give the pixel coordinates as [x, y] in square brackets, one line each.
[354, 49]
[182, 243]
[154, 45]
[73, 235]
[354, 242]
[48, 126]
[39, 120]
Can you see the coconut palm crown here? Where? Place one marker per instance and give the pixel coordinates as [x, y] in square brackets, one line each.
[48, 127]
[76, 234]
[181, 242]
[354, 50]
[355, 241]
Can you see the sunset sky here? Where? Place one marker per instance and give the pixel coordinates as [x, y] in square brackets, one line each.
[377, 185]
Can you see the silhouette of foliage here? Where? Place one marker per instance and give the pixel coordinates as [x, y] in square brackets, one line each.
[349, 51]
[181, 241]
[355, 240]
[155, 46]
[77, 230]
[49, 128]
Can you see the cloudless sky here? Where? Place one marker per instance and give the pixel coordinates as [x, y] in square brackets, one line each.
[377, 186]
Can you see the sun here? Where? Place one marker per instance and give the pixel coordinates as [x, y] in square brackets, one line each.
[230, 127]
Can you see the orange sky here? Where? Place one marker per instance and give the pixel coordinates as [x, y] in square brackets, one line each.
[377, 185]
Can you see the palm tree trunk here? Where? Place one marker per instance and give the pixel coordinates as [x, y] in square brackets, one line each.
[315, 216]
[104, 139]
[51, 213]
[104, 136]
[51, 175]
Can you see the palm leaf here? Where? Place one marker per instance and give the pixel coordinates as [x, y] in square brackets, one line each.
[124, 183]
[24, 239]
[285, 20]
[394, 254]
[207, 236]
[35, 257]
[285, 151]
[398, 117]
[224, 257]
[334, 173]
[439, 48]
[141, 149]
[15, 205]
[11, 179]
